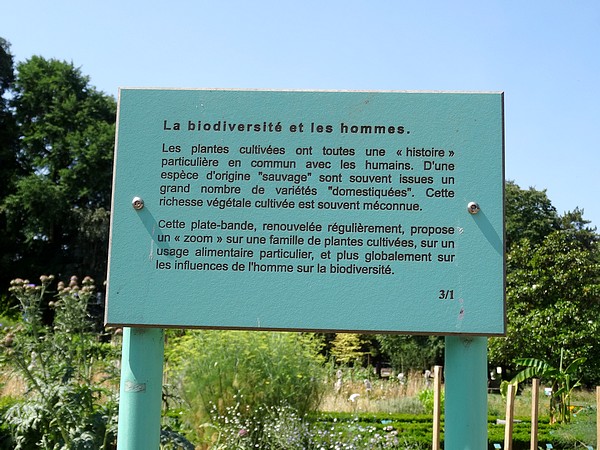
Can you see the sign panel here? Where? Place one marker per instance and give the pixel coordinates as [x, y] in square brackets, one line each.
[296, 210]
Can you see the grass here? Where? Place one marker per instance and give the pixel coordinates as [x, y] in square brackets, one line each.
[11, 385]
[389, 396]
[378, 395]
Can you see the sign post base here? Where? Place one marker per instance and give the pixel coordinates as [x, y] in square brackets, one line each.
[466, 393]
[141, 389]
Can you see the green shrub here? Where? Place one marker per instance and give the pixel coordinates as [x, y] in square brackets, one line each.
[220, 370]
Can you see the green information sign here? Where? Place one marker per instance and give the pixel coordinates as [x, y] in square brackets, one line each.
[296, 210]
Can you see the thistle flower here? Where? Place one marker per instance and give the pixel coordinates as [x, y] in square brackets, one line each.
[46, 279]
[8, 340]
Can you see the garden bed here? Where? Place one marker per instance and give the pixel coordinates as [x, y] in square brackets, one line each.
[416, 431]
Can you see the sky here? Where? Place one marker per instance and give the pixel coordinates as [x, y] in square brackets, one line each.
[544, 56]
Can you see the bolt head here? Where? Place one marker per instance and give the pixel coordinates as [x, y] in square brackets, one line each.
[137, 203]
[473, 208]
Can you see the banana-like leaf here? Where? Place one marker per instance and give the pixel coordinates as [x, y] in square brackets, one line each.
[534, 368]
[574, 366]
[534, 362]
[530, 372]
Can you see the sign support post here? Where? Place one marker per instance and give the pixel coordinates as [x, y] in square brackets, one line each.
[141, 389]
[466, 393]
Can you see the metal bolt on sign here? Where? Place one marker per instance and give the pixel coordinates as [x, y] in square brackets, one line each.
[473, 208]
[137, 203]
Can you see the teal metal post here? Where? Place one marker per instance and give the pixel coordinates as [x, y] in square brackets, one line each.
[141, 389]
[465, 421]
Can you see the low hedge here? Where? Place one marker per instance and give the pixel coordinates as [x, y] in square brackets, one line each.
[418, 429]
[522, 434]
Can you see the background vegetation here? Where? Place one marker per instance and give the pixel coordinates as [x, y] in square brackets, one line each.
[56, 144]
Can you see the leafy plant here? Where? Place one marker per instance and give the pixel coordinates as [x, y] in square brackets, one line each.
[426, 397]
[70, 402]
[563, 381]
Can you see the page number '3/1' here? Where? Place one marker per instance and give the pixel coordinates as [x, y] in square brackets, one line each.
[446, 294]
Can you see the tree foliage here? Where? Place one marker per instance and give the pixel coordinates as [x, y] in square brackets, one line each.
[552, 290]
[412, 352]
[553, 297]
[346, 348]
[8, 133]
[9, 170]
[529, 214]
[55, 212]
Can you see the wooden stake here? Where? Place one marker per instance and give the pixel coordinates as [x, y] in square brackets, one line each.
[535, 387]
[508, 428]
[437, 406]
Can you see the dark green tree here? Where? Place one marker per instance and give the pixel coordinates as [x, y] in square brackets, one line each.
[407, 353]
[529, 214]
[9, 170]
[552, 283]
[553, 302]
[578, 228]
[8, 131]
[552, 291]
[57, 212]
